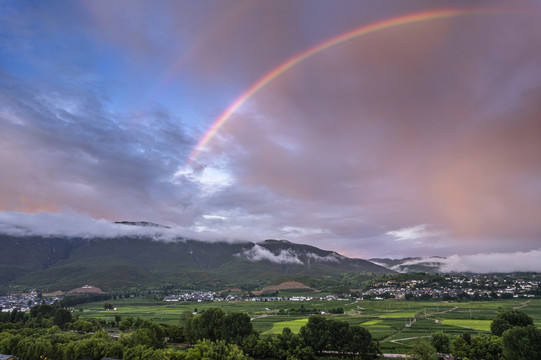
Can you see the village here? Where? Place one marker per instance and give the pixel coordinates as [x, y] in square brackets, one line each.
[459, 287]
[442, 288]
[466, 287]
[24, 302]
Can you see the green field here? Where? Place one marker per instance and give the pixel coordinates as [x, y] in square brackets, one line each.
[483, 325]
[398, 315]
[371, 322]
[293, 325]
[386, 320]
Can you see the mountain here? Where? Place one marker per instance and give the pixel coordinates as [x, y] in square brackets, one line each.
[63, 263]
[431, 265]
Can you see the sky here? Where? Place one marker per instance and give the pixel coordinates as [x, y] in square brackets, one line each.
[371, 128]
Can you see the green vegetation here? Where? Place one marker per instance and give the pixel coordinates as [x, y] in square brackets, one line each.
[136, 264]
[293, 325]
[441, 342]
[522, 343]
[52, 332]
[422, 350]
[322, 334]
[483, 325]
[386, 320]
[268, 330]
[509, 319]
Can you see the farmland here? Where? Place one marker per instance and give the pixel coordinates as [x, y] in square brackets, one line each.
[395, 323]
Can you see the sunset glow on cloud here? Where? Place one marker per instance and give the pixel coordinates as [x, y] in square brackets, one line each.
[374, 129]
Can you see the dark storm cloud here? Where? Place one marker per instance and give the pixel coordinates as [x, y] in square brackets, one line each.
[62, 149]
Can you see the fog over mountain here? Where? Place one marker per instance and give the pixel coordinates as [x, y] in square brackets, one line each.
[79, 226]
[477, 263]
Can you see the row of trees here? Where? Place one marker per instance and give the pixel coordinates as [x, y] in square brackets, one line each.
[220, 335]
[319, 335]
[514, 337]
[338, 336]
[62, 345]
[217, 335]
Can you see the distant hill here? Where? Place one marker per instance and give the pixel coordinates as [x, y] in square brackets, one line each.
[61, 263]
[287, 285]
[430, 265]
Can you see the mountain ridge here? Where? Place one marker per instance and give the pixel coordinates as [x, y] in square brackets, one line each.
[62, 263]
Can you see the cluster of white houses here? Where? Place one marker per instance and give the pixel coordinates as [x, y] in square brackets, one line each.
[477, 286]
[23, 302]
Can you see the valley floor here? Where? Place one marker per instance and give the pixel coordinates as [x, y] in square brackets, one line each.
[397, 324]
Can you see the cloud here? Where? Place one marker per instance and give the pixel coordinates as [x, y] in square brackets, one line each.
[497, 262]
[77, 225]
[413, 233]
[286, 256]
[67, 151]
[494, 262]
[259, 253]
[333, 257]
[430, 123]
[409, 126]
[69, 225]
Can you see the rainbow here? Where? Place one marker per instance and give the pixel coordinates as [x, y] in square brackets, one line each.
[360, 31]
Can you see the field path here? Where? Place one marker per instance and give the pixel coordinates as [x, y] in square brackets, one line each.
[429, 315]
[522, 305]
[408, 338]
[446, 311]
[398, 341]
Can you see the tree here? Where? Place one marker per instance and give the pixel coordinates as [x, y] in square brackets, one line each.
[284, 346]
[422, 350]
[185, 318]
[209, 325]
[219, 350]
[467, 337]
[83, 326]
[126, 323]
[176, 334]
[441, 342]
[62, 317]
[522, 343]
[461, 349]
[43, 310]
[235, 327]
[14, 315]
[338, 334]
[322, 334]
[145, 336]
[315, 333]
[361, 343]
[486, 347]
[509, 319]
[260, 347]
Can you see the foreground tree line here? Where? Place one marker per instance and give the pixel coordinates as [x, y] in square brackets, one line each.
[53, 332]
[514, 337]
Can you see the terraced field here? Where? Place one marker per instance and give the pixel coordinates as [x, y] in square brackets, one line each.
[395, 323]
